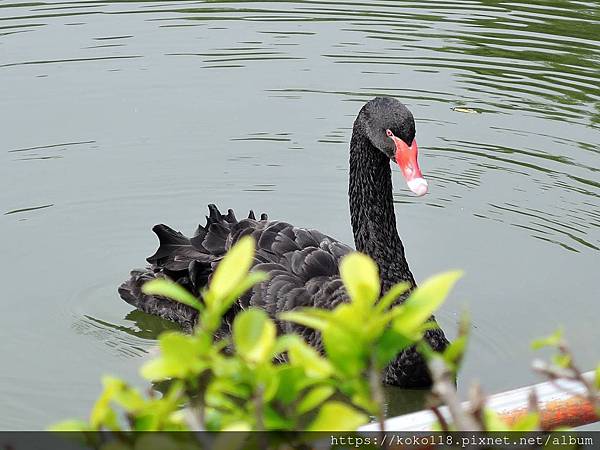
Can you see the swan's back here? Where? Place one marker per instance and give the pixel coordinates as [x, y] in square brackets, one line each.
[302, 264]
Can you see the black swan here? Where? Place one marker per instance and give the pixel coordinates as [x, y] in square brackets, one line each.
[303, 263]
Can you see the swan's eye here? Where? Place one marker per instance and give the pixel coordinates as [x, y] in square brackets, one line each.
[389, 133]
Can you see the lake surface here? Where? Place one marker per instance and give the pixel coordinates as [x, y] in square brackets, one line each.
[117, 115]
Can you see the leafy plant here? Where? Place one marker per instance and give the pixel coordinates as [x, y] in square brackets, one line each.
[364, 335]
[254, 379]
[563, 366]
[476, 416]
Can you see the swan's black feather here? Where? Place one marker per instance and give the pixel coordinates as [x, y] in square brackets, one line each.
[131, 292]
[302, 265]
[170, 240]
[215, 240]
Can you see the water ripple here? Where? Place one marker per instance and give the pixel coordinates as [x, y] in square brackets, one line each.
[269, 124]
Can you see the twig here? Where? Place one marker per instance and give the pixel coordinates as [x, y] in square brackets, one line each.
[477, 405]
[444, 389]
[533, 403]
[441, 419]
[571, 373]
[376, 384]
[258, 407]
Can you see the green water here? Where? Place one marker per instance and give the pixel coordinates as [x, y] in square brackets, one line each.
[117, 115]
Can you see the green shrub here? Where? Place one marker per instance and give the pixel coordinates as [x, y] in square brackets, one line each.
[237, 383]
[256, 380]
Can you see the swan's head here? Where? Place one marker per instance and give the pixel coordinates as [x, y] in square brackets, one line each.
[390, 127]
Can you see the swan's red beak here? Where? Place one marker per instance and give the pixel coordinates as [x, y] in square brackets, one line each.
[406, 157]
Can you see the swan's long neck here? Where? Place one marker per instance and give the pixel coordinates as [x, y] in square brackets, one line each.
[372, 211]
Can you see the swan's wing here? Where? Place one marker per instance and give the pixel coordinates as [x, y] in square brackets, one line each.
[303, 266]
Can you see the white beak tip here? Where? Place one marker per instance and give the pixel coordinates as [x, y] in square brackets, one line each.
[418, 186]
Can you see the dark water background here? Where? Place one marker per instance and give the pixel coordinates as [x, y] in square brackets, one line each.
[117, 115]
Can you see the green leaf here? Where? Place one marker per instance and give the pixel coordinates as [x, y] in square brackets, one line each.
[130, 399]
[219, 302]
[210, 319]
[270, 381]
[301, 354]
[423, 302]
[529, 422]
[391, 296]
[180, 357]
[172, 290]
[363, 398]
[348, 317]
[291, 381]
[254, 335]
[314, 398]
[276, 421]
[145, 421]
[235, 426]
[344, 350]
[389, 345]
[345, 339]
[233, 268]
[284, 342]
[218, 400]
[337, 416]
[361, 278]
[70, 425]
[309, 317]
[102, 414]
[553, 340]
[427, 352]
[243, 286]
[493, 421]
[454, 352]
[230, 387]
[156, 369]
[562, 360]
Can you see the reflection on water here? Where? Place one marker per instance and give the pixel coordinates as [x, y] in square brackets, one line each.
[111, 123]
[139, 325]
[118, 338]
[22, 210]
